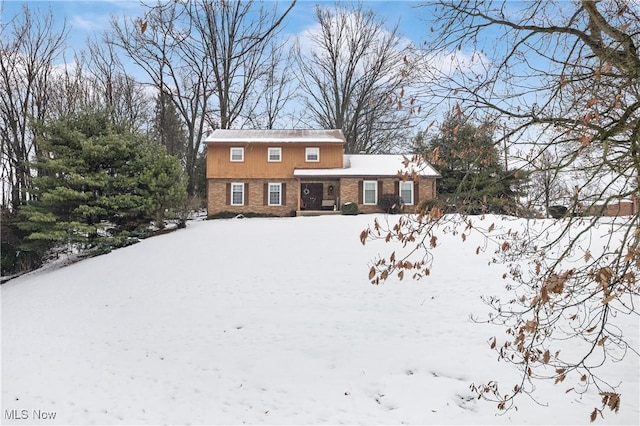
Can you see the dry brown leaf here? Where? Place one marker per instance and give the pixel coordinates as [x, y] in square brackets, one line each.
[363, 236]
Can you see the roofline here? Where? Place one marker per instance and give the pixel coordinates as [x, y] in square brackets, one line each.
[299, 173]
[280, 136]
[275, 141]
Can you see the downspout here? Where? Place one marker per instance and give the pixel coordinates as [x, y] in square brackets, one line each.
[299, 194]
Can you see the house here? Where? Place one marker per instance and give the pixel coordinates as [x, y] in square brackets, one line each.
[287, 172]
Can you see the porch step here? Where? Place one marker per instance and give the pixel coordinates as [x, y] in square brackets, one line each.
[317, 212]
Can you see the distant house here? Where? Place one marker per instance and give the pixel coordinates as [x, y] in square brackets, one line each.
[625, 207]
[286, 172]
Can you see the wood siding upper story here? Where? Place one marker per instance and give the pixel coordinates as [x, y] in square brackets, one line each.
[256, 164]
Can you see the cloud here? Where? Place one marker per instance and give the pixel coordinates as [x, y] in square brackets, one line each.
[98, 17]
[89, 22]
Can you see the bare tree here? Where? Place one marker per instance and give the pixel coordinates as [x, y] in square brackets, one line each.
[564, 77]
[29, 45]
[276, 87]
[548, 185]
[237, 39]
[96, 80]
[162, 45]
[206, 56]
[69, 88]
[354, 76]
[121, 94]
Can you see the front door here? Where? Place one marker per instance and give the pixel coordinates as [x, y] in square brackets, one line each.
[311, 195]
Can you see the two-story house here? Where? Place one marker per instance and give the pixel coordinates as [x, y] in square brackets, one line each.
[284, 172]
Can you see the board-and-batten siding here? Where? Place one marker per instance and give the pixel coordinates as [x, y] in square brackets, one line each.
[256, 165]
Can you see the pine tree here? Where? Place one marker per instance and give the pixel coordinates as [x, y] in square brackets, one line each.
[473, 177]
[168, 128]
[163, 183]
[94, 186]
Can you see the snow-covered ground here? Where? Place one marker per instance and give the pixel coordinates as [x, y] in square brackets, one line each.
[266, 321]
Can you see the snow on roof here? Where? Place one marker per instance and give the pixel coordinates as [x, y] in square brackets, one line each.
[275, 136]
[371, 165]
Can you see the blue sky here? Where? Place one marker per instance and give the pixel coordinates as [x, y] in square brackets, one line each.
[88, 18]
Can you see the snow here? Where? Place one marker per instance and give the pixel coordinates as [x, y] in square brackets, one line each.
[275, 136]
[268, 321]
[371, 165]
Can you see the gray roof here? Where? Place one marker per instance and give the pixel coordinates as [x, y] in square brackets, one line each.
[275, 136]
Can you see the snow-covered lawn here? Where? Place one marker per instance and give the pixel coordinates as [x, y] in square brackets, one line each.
[266, 321]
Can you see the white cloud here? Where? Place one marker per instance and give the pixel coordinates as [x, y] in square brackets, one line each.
[89, 22]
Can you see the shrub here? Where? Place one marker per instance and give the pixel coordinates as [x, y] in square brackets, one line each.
[13, 259]
[232, 215]
[557, 212]
[427, 205]
[349, 208]
[390, 203]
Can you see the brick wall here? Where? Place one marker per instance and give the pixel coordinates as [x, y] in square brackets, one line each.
[346, 188]
[350, 187]
[217, 197]
[622, 208]
[349, 190]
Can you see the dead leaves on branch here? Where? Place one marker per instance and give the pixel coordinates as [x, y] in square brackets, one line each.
[610, 400]
[382, 269]
[560, 296]
[142, 25]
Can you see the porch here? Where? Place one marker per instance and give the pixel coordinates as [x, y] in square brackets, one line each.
[317, 196]
[317, 212]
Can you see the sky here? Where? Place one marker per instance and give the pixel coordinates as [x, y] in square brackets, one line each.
[91, 18]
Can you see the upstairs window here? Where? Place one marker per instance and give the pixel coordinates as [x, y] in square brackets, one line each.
[312, 155]
[237, 154]
[406, 192]
[274, 155]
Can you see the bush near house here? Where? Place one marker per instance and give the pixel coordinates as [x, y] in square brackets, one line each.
[349, 208]
[557, 212]
[390, 203]
[427, 205]
[232, 215]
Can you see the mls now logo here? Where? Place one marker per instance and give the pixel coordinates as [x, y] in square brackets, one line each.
[26, 414]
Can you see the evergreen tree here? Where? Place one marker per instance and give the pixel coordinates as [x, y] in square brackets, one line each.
[473, 177]
[162, 182]
[201, 176]
[95, 185]
[168, 128]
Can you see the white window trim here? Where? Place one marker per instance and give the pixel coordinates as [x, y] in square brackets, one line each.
[412, 186]
[279, 185]
[241, 185]
[364, 192]
[316, 151]
[231, 154]
[275, 149]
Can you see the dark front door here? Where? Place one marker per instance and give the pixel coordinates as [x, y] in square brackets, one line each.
[311, 196]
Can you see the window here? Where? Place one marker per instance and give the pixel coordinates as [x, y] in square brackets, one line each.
[274, 154]
[370, 190]
[237, 194]
[312, 155]
[237, 154]
[275, 194]
[406, 192]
